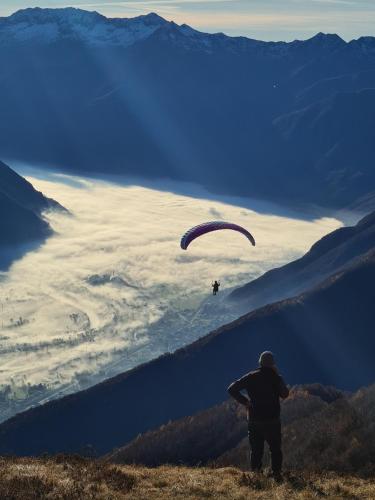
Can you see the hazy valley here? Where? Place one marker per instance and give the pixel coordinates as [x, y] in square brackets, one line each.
[111, 288]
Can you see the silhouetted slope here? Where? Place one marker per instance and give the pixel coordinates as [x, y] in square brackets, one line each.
[327, 256]
[21, 221]
[18, 224]
[20, 191]
[323, 336]
[193, 440]
[147, 97]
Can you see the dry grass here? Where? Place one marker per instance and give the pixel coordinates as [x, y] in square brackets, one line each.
[74, 478]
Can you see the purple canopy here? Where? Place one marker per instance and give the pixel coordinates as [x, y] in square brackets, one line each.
[207, 227]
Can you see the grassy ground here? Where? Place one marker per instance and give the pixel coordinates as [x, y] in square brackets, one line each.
[75, 478]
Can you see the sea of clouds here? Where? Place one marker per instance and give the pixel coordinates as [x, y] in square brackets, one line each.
[112, 288]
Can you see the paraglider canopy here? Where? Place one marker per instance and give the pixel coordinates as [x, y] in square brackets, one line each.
[208, 227]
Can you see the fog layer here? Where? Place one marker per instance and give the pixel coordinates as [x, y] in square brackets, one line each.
[112, 288]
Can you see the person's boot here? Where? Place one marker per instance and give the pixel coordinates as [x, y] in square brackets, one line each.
[278, 477]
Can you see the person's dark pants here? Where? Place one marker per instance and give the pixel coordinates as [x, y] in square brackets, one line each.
[269, 431]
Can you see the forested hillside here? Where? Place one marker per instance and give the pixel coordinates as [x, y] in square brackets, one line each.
[323, 429]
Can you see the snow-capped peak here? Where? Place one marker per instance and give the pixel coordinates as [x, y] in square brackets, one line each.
[47, 26]
[92, 28]
[65, 15]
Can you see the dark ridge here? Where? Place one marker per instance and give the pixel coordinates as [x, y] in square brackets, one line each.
[22, 226]
[327, 256]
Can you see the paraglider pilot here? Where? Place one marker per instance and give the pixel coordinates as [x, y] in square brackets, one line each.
[215, 287]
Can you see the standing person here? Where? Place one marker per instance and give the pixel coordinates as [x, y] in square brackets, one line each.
[215, 287]
[264, 388]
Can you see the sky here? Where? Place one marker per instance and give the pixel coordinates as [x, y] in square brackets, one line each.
[262, 19]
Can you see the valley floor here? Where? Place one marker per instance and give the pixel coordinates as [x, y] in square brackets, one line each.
[73, 478]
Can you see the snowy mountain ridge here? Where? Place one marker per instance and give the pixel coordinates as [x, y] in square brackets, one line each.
[50, 25]
[47, 26]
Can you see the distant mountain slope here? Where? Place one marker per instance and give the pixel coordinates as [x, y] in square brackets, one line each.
[21, 207]
[332, 138]
[317, 337]
[146, 97]
[327, 256]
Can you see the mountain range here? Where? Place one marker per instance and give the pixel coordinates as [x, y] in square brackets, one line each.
[324, 334]
[149, 98]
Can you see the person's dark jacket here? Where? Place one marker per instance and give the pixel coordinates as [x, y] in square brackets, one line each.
[264, 388]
